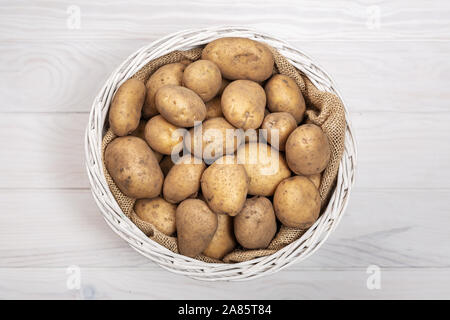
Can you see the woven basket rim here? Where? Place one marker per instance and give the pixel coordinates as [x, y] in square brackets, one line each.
[122, 225]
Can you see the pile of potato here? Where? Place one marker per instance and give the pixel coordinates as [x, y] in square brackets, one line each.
[237, 191]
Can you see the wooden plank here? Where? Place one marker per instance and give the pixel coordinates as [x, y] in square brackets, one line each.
[344, 19]
[65, 76]
[58, 228]
[101, 283]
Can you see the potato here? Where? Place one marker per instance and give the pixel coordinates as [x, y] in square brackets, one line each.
[162, 136]
[166, 164]
[243, 104]
[297, 202]
[140, 133]
[126, 106]
[265, 168]
[196, 225]
[223, 241]
[283, 95]
[180, 106]
[133, 167]
[240, 58]
[217, 138]
[315, 178]
[172, 74]
[279, 126]
[183, 180]
[224, 84]
[255, 226]
[224, 185]
[158, 212]
[307, 150]
[204, 78]
[213, 108]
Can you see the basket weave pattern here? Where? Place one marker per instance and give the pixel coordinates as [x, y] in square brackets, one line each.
[314, 80]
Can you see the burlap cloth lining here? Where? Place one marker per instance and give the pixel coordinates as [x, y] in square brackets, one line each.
[323, 109]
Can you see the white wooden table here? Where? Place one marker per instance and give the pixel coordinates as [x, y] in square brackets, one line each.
[389, 58]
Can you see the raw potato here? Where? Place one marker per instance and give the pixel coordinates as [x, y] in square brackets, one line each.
[297, 202]
[166, 164]
[183, 180]
[315, 178]
[126, 107]
[133, 167]
[243, 104]
[140, 133]
[223, 241]
[180, 106]
[158, 212]
[307, 150]
[204, 78]
[224, 84]
[162, 136]
[213, 108]
[224, 186]
[168, 74]
[279, 126]
[240, 58]
[217, 139]
[196, 225]
[255, 226]
[283, 95]
[265, 168]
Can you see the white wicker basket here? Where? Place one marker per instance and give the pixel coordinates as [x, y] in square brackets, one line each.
[296, 251]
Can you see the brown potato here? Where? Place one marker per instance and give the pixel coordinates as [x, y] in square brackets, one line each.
[183, 180]
[172, 74]
[180, 106]
[196, 225]
[315, 178]
[217, 138]
[240, 58]
[283, 95]
[224, 185]
[162, 136]
[140, 133]
[133, 167]
[255, 226]
[243, 104]
[126, 106]
[224, 84]
[223, 241]
[297, 202]
[166, 164]
[158, 212]
[204, 78]
[279, 126]
[214, 108]
[307, 150]
[265, 168]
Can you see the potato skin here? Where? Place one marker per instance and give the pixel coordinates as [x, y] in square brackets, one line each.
[213, 108]
[210, 141]
[240, 58]
[223, 241]
[243, 104]
[183, 180]
[196, 225]
[172, 74]
[180, 106]
[224, 185]
[265, 168]
[283, 95]
[297, 202]
[133, 167]
[158, 212]
[255, 226]
[162, 136]
[307, 150]
[126, 106]
[224, 84]
[140, 133]
[284, 122]
[315, 178]
[204, 78]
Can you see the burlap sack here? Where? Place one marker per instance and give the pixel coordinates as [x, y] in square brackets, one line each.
[323, 109]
